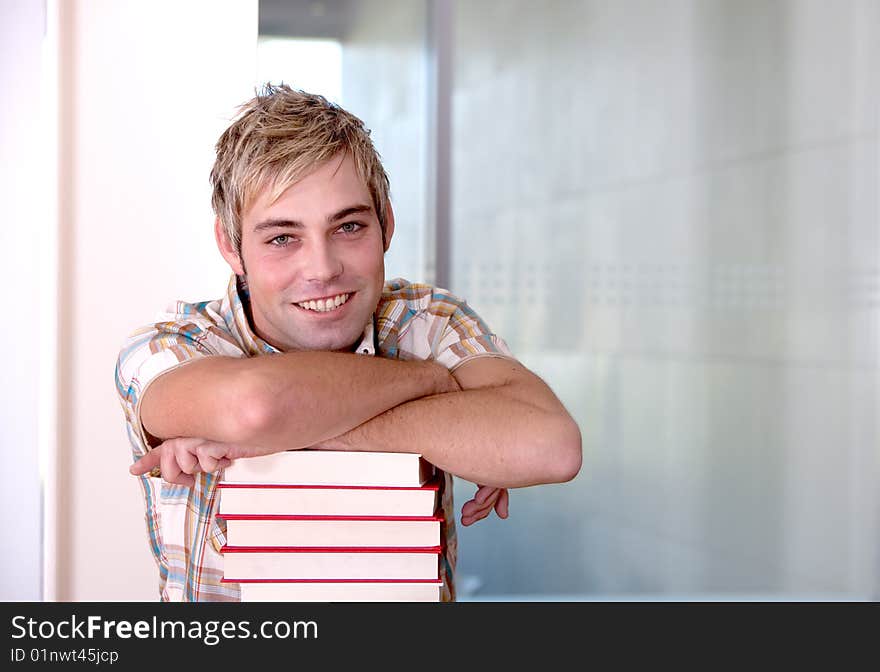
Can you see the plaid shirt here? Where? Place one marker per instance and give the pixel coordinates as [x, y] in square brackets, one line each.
[411, 321]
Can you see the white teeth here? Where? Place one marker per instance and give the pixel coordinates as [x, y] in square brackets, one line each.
[324, 305]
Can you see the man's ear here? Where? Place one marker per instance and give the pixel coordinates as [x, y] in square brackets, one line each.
[389, 225]
[232, 257]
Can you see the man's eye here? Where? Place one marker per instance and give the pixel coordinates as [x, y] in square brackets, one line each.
[350, 227]
[281, 240]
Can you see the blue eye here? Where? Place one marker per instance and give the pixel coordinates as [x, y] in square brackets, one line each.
[351, 227]
[280, 241]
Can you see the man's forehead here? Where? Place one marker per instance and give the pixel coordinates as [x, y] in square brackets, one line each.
[329, 176]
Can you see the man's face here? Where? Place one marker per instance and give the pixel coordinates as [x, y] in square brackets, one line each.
[320, 241]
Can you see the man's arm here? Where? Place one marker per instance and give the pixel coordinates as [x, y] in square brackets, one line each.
[284, 401]
[501, 426]
[505, 428]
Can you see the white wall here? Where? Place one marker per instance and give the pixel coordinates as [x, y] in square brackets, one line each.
[22, 193]
[147, 88]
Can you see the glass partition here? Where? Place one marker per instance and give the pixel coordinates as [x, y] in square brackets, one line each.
[670, 211]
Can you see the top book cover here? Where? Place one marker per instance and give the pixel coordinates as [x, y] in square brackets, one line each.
[332, 467]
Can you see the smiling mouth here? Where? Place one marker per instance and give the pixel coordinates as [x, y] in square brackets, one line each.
[327, 305]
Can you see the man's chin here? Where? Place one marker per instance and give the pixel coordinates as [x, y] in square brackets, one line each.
[337, 342]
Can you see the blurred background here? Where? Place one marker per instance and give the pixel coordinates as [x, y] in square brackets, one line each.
[668, 208]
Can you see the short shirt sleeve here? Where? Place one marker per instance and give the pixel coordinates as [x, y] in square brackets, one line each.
[157, 349]
[465, 335]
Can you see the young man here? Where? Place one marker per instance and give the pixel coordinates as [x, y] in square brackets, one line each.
[311, 348]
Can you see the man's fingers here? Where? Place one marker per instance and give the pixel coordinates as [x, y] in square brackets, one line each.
[180, 458]
[468, 510]
[186, 461]
[502, 505]
[483, 493]
[473, 507]
[474, 516]
[147, 463]
[488, 498]
[472, 511]
[208, 464]
[207, 461]
[210, 455]
[485, 499]
[171, 471]
[487, 502]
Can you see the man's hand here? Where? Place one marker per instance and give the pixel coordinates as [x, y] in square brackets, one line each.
[180, 458]
[483, 502]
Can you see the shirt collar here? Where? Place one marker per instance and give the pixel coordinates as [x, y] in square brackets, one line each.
[234, 311]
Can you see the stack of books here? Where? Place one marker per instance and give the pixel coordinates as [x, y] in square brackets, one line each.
[332, 526]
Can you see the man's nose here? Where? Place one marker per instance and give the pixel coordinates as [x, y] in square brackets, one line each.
[322, 263]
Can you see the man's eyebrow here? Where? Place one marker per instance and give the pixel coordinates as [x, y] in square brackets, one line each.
[351, 210]
[277, 224]
[282, 223]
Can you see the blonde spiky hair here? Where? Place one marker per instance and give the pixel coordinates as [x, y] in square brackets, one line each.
[279, 137]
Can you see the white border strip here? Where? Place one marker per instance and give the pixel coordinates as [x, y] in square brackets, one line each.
[47, 411]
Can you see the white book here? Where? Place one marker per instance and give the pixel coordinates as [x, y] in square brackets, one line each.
[310, 531]
[335, 591]
[331, 467]
[330, 563]
[327, 500]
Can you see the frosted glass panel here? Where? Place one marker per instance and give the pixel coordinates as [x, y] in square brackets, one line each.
[670, 211]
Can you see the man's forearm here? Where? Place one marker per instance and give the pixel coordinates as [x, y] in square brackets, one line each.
[284, 401]
[490, 436]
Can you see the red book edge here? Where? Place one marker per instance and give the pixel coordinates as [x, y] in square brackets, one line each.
[431, 485]
[433, 582]
[331, 549]
[282, 516]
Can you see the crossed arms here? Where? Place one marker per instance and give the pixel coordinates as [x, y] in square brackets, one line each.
[491, 421]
